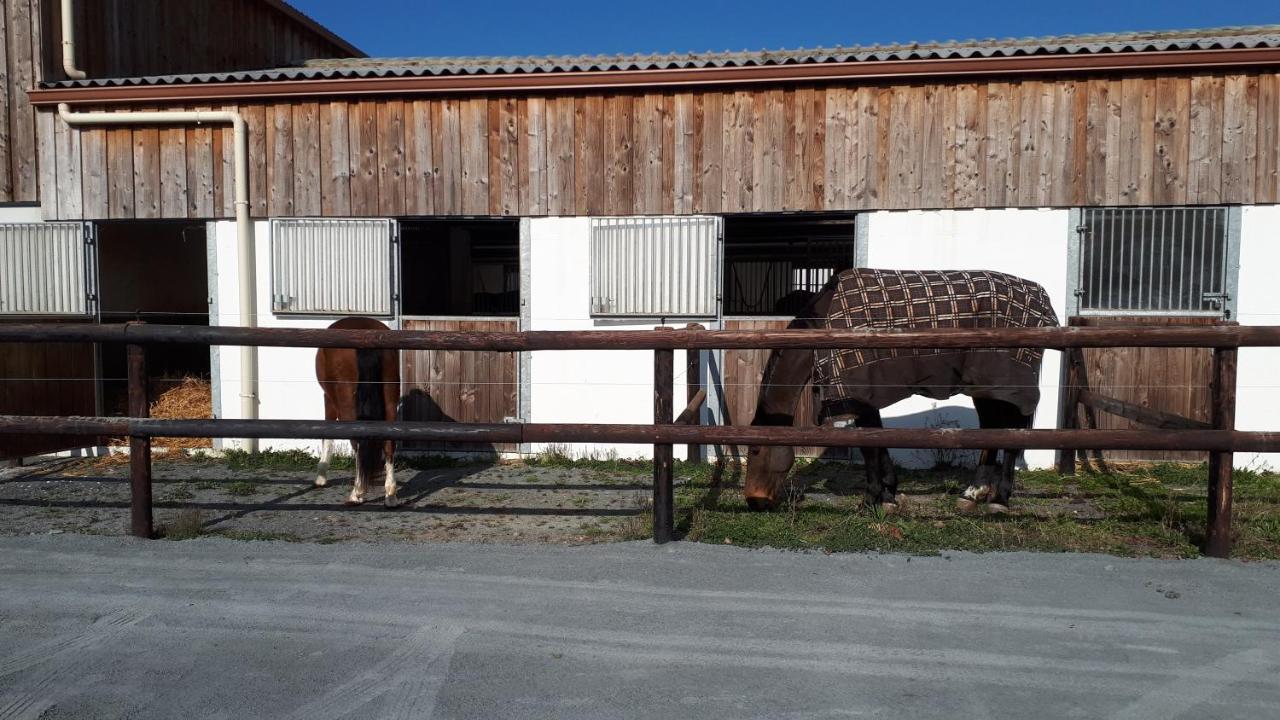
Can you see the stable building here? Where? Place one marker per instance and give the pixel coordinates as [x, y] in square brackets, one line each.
[1135, 176]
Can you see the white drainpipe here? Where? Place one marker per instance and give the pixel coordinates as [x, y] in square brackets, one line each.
[244, 226]
[69, 44]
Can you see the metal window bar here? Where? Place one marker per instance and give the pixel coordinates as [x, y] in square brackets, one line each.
[1157, 261]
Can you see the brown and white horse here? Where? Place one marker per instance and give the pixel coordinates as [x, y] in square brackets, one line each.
[360, 385]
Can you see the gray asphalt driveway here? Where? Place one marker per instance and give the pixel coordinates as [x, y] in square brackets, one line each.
[113, 628]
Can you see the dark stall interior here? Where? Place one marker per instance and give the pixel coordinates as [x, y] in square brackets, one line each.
[156, 272]
[773, 262]
[460, 268]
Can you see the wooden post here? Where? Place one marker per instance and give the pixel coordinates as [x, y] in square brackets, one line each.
[1069, 415]
[1223, 394]
[693, 383]
[139, 447]
[663, 490]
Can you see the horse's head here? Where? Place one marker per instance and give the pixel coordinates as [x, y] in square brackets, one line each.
[767, 469]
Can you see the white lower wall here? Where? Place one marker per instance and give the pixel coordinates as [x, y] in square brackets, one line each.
[617, 386]
[1258, 303]
[589, 386]
[1028, 243]
[287, 387]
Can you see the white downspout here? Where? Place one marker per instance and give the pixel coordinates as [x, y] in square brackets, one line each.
[69, 44]
[246, 275]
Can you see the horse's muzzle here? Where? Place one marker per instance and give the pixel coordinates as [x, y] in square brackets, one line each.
[760, 504]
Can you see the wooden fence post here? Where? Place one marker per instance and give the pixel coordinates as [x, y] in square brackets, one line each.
[139, 446]
[1069, 416]
[1223, 393]
[663, 409]
[693, 383]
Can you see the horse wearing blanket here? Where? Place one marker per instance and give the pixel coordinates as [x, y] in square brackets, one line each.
[857, 383]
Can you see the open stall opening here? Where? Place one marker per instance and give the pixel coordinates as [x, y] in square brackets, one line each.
[459, 275]
[156, 272]
[460, 268]
[773, 265]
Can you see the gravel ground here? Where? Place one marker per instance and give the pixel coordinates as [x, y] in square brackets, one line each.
[476, 503]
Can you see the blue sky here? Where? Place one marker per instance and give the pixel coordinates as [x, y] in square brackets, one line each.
[507, 27]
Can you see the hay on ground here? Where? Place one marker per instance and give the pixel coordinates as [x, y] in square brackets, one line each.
[190, 399]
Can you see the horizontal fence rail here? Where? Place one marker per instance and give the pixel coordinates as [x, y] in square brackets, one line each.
[1209, 336]
[1220, 438]
[486, 433]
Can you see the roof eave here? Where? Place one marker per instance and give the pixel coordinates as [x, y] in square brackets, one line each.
[1168, 60]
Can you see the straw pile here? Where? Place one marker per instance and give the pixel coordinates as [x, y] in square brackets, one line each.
[190, 399]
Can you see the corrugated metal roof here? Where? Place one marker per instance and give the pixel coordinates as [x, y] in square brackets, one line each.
[1118, 43]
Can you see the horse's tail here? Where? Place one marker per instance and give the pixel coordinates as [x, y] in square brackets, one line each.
[369, 406]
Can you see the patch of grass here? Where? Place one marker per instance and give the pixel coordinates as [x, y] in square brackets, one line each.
[1158, 510]
[188, 523]
[291, 460]
[242, 488]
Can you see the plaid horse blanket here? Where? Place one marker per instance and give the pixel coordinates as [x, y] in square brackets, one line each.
[866, 298]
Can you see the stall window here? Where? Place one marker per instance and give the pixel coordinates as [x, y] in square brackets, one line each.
[655, 266]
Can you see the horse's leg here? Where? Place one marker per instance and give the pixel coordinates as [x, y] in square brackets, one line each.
[359, 486]
[391, 498]
[1004, 485]
[322, 471]
[882, 479]
[390, 404]
[988, 472]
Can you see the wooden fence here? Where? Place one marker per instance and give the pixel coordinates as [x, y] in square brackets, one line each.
[1220, 440]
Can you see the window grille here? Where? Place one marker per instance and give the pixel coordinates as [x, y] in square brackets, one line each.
[655, 266]
[47, 269]
[332, 267]
[1155, 261]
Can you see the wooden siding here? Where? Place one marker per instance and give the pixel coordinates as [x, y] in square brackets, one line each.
[1175, 380]
[1174, 140]
[46, 379]
[459, 386]
[122, 38]
[129, 38]
[20, 53]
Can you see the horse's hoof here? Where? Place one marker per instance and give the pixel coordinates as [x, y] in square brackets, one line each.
[392, 502]
[965, 505]
[352, 500]
[321, 481]
[997, 509]
[889, 508]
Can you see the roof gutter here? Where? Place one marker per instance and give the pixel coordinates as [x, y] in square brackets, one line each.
[877, 70]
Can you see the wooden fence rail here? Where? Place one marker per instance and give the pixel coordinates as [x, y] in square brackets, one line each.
[1221, 440]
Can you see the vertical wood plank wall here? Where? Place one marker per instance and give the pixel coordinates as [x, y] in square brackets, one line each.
[126, 38]
[1105, 141]
[46, 379]
[1174, 380]
[458, 386]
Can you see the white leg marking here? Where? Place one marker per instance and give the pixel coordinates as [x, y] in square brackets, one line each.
[392, 499]
[357, 490]
[977, 493]
[322, 472]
